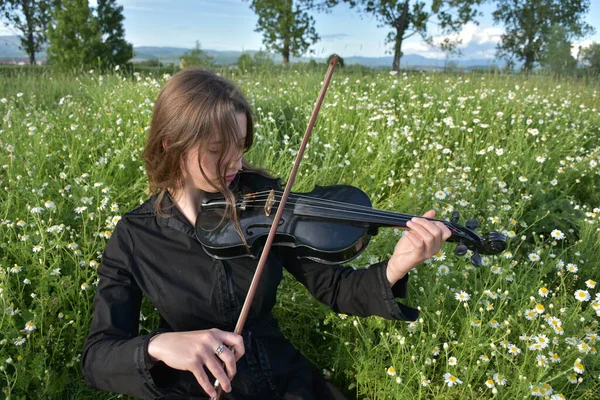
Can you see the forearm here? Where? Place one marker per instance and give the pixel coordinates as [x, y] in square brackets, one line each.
[397, 268]
[118, 365]
[360, 292]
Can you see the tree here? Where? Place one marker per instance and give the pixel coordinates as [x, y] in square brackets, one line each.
[196, 57]
[113, 49]
[153, 62]
[245, 62]
[262, 59]
[31, 18]
[407, 18]
[74, 35]
[84, 36]
[451, 66]
[340, 61]
[528, 25]
[557, 57]
[286, 25]
[591, 58]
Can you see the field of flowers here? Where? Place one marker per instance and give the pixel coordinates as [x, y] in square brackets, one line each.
[520, 155]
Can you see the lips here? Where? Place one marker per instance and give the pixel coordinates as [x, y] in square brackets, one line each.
[230, 178]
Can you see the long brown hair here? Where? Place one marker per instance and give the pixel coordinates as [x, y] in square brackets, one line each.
[192, 107]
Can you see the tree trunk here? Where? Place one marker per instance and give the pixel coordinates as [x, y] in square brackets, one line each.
[286, 53]
[529, 60]
[28, 11]
[529, 52]
[401, 24]
[397, 50]
[30, 48]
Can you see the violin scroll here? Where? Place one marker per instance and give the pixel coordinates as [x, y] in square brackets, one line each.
[494, 242]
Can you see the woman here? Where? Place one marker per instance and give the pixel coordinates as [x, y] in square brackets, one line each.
[201, 126]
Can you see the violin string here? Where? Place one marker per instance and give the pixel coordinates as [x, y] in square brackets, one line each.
[392, 223]
[324, 209]
[363, 210]
[348, 206]
[366, 209]
[369, 211]
[312, 201]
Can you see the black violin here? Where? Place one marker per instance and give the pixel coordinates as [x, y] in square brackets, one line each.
[331, 224]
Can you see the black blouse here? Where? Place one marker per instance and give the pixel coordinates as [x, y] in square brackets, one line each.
[161, 259]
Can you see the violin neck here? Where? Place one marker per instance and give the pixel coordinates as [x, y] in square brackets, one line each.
[372, 218]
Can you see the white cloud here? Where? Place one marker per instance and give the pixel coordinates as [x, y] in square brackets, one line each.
[490, 35]
[7, 30]
[583, 44]
[476, 42]
[473, 36]
[423, 49]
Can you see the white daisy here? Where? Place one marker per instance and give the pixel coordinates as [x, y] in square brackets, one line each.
[462, 296]
[582, 295]
[451, 380]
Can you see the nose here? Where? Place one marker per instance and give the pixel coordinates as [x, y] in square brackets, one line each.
[236, 162]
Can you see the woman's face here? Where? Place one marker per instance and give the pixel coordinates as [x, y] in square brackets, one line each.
[232, 162]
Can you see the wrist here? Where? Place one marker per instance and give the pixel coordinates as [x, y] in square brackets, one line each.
[395, 271]
[153, 349]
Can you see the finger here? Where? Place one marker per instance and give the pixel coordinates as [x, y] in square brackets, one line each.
[203, 381]
[229, 359]
[434, 230]
[417, 242]
[216, 369]
[232, 339]
[423, 234]
[446, 233]
[429, 214]
[431, 227]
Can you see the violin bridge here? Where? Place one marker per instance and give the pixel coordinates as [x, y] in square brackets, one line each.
[269, 203]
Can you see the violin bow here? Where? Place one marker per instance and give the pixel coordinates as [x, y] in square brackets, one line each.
[239, 327]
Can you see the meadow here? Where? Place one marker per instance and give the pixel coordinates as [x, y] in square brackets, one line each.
[521, 155]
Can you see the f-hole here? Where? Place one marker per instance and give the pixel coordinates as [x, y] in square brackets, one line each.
[264, 226]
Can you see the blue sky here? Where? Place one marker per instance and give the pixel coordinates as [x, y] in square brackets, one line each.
[230, 24]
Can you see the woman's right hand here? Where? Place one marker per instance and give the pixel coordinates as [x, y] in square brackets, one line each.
[194, 350]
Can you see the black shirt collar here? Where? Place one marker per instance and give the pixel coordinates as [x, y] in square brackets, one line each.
[173, 218]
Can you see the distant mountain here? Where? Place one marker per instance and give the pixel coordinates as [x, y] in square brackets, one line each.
[172, 54]
[9, 50]
[415, 60]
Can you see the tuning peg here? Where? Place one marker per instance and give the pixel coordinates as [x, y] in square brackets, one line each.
[460, 249]
[476, 259]
[472, 224]
[455, 217]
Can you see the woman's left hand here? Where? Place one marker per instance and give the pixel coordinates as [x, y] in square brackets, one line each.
[420, 242]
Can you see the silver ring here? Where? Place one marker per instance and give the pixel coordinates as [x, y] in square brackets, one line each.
[220, 348]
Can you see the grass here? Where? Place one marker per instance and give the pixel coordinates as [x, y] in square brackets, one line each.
[520, 155]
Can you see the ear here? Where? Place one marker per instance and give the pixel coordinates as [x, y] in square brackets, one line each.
[164, 144]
